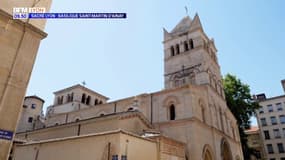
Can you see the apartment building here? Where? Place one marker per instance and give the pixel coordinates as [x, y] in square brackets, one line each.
[271, 121]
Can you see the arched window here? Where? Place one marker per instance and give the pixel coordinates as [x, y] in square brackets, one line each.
[172, 112]
[67, 98]
[77, 119]
[186, 47]
[221, 120]
[96, 102]
[234, 135]
[100, 102]
[207, 153]
[88, 100]
[71, 97]
[203, 114]
[130, 109]
[58, 100]
[83, 99]
[172, 52]
[191, 44]
[226, 153]
[177, 49]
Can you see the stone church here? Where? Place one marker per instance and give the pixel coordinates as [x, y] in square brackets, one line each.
[188, 120]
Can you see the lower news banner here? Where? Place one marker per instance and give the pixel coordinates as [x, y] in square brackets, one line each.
[77, 15]
[7, 135]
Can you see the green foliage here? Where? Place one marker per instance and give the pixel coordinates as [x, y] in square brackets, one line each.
[241, 104]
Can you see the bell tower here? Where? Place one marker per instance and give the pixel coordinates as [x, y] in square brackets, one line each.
[190, 56]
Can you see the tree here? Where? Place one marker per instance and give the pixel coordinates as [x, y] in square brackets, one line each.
[241, 104]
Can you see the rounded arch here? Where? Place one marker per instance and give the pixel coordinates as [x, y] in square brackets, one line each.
[170, 100]
[101, 113]
[237, 157]
[226, 153]
[208, 153]
[77, 119]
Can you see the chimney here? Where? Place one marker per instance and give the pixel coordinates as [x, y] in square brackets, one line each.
[283, 84]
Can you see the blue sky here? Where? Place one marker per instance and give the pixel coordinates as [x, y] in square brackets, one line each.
[124, 57]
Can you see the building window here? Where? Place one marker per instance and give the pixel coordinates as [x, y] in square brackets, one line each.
[83, 98]
[283, 132]
[270, 108]
[71, 97]
[177, 49]
[96, 102]
[58, 100]
[30, 120]
[191, 44]
[88, 100]
[123, 157]
[266, 134]
[186, 47]
[263, 121]
[100, 102]
[221, 120]
[276, 133]
[279, 106]
[273, 120]
[68, 98]
[25, 106]
[282, 119]
[261, 110]
[172, 52]
[203, 114]
[280, 148]
[270, 148]
[114, 157]
[33, 106]
[172, 112]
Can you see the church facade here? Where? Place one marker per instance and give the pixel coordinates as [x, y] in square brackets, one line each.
[190, 113]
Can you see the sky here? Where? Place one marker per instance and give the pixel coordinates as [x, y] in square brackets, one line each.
[124, 57]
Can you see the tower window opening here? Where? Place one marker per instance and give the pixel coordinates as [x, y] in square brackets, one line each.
[33, 106]
[172, 51]
[172, 112]
[191, 44]
[186, 47]
[71, 97]
[83, 99]
[177, 49]
[96, 102]
[88, 100]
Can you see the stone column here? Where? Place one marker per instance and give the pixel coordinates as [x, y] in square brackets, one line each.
[19, 43]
